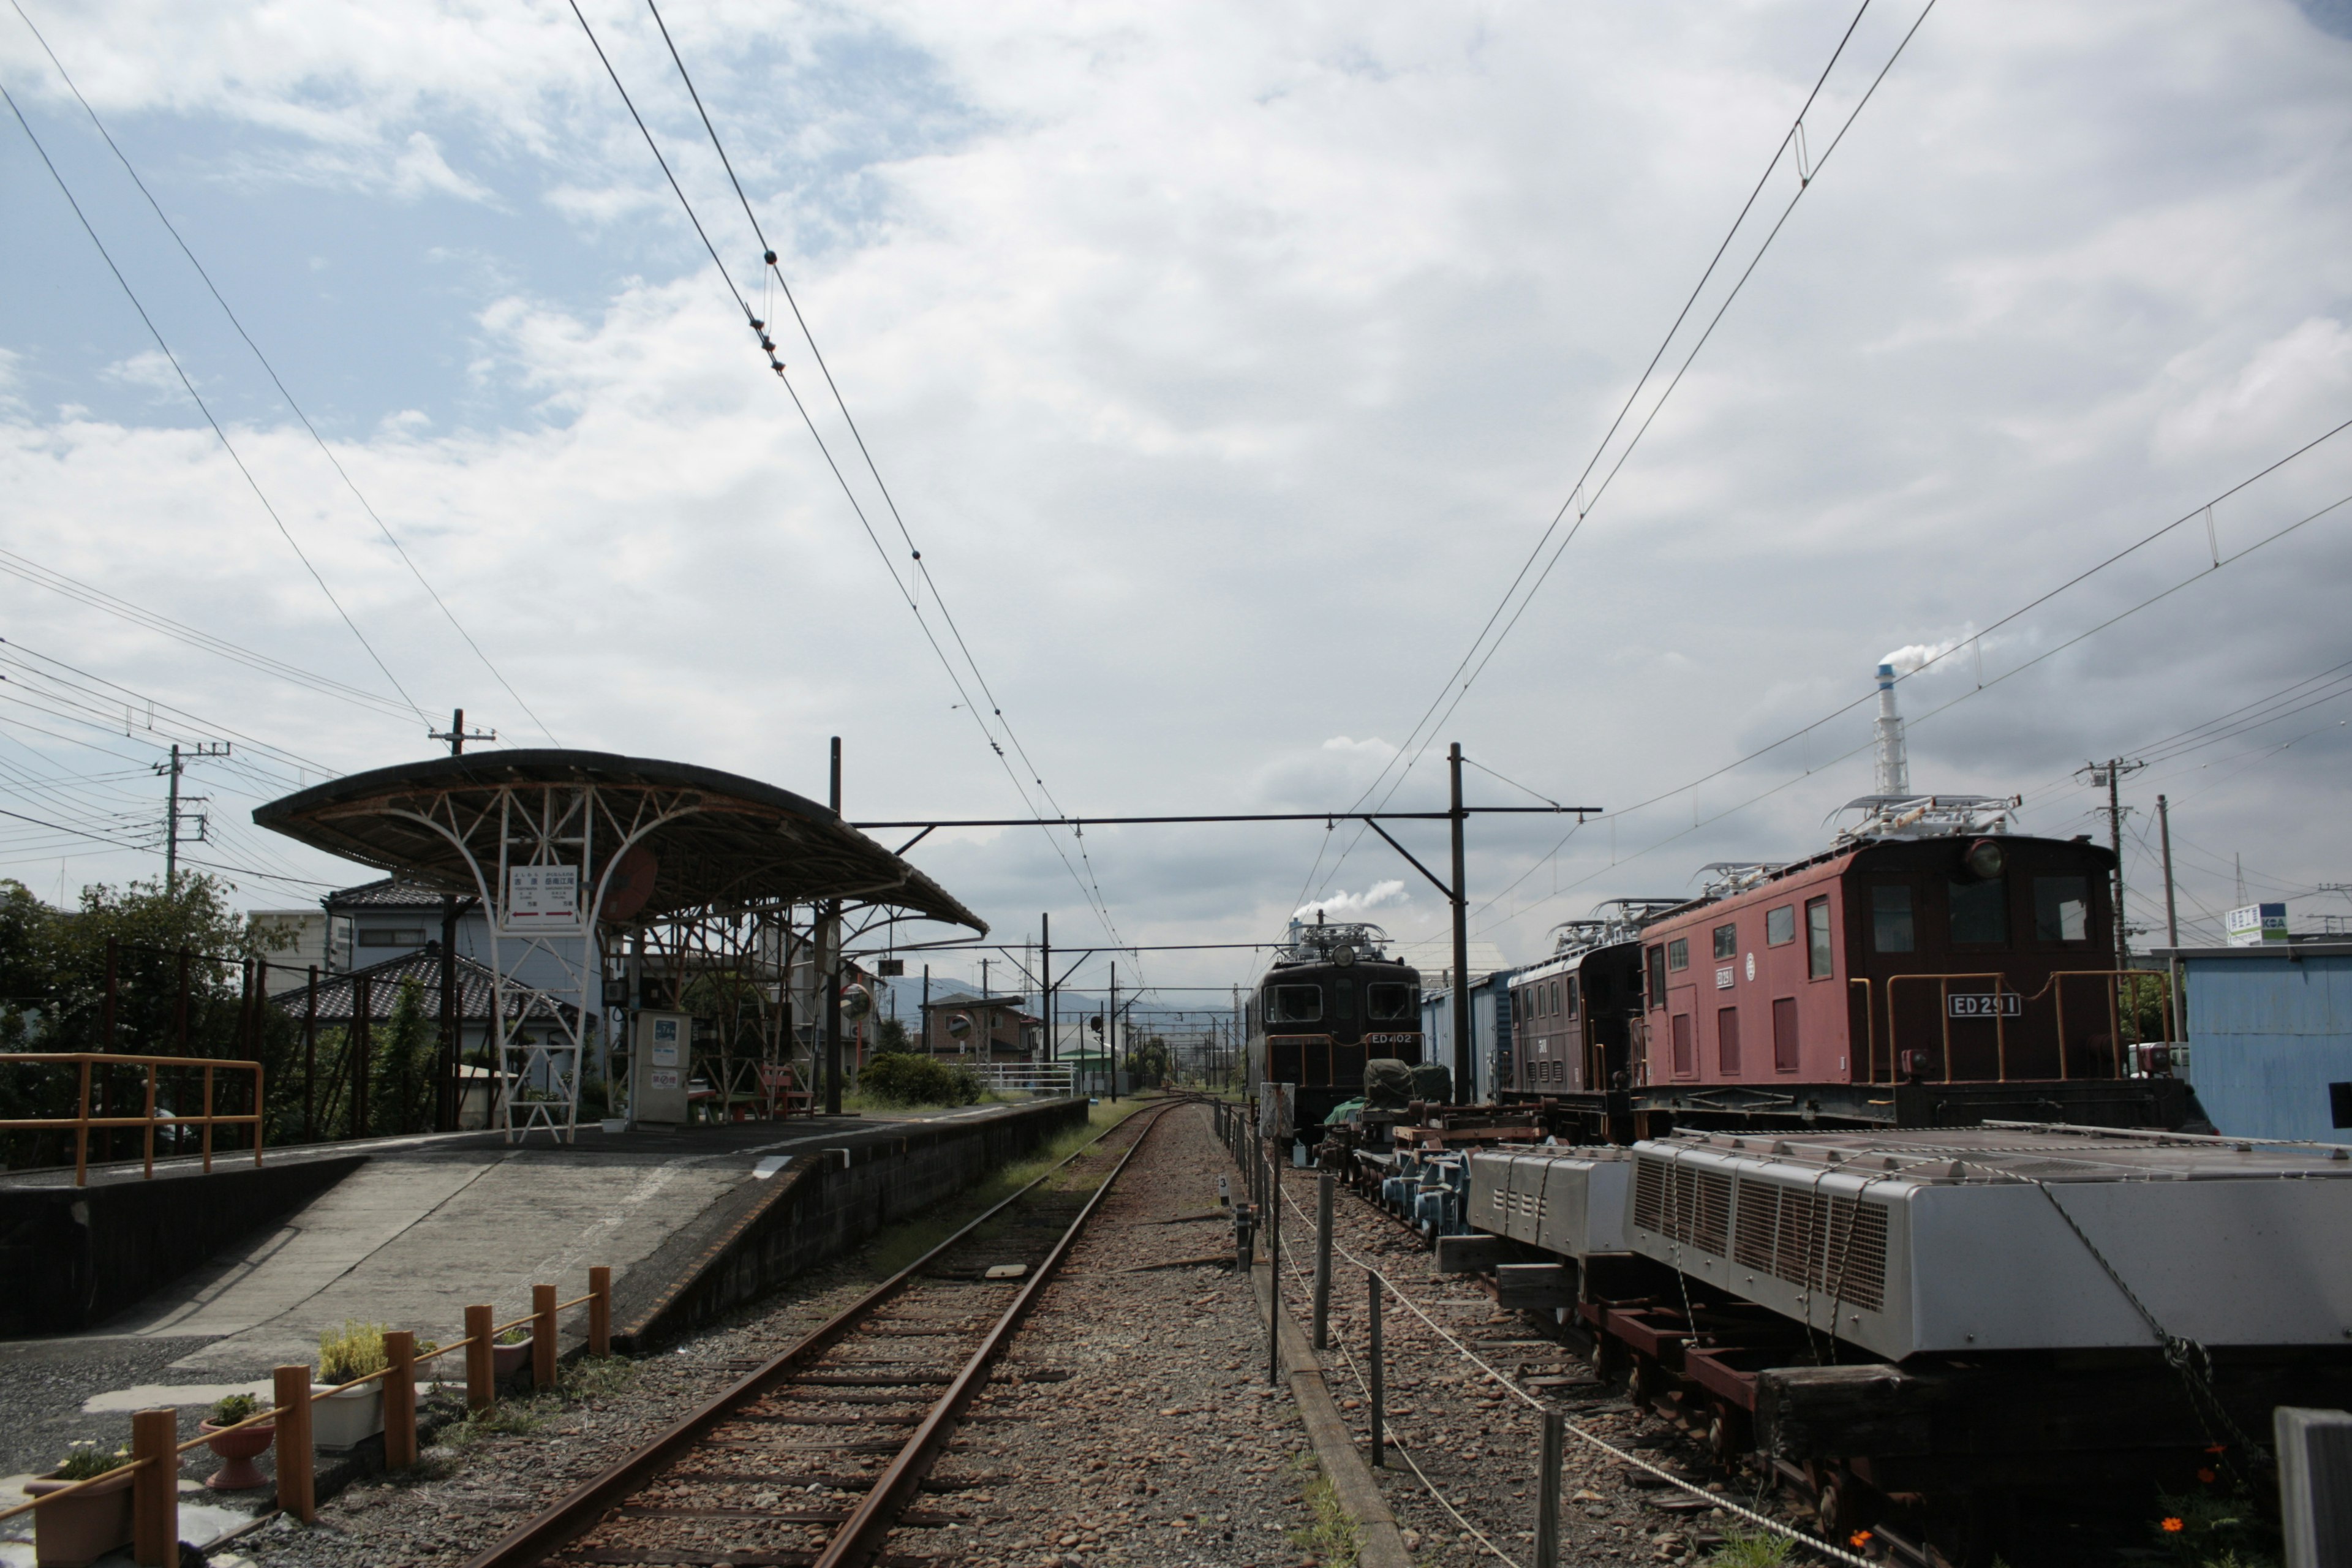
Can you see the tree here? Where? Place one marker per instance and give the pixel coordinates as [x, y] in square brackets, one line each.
[890, 1035]
[400, 1075]
[1147, 1060]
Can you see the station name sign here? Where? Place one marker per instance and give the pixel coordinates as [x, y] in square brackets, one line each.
[542, 898]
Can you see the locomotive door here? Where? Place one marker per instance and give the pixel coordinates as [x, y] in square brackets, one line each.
[1682, 1031]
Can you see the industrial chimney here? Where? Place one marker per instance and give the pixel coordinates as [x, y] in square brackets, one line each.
[1893, 769]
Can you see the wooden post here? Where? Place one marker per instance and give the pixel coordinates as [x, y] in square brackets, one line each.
[82, 1131]
[542, 1336]
[156, 1490]
[291, 1391]
[481, 1367]
[399, 1399]
[599, 1310]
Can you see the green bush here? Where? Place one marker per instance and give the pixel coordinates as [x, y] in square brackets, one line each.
[85, 1460]
[236, 1408]
[903, 1077]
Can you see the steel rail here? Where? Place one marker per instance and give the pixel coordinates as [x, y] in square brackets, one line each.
[580, 1509]
[859, 1539]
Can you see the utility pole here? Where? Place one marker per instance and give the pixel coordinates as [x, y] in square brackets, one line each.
[1045, 978]
[1460, 938]
[829, 956]
[457, 734]
[2171, 923]
[176, 767]
[926, 1009]
[1110, 1031]
[2111, 773]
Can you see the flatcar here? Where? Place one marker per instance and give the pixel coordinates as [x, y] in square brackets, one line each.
[1931, 968]
[1331, 1001]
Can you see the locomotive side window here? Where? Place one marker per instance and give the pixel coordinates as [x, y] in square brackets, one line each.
[1980, 913]
[1781, 926]
[1821, 961]
[1678, 954]
[1293, 1003]
[1726, 942]
[1657, 997]
[1571, 996]
[2062, 908]
[1891, 929]
[1389, 1000]
[1555, 998]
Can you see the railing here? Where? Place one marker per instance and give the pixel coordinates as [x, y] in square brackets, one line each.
[2054, 988]
[1033, 1078]
[81, 1121]
[155, 1459]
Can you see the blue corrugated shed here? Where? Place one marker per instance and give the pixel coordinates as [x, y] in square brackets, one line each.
[1489, 996]
[2270, 1039]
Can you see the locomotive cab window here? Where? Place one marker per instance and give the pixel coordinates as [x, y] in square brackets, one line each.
[1820, 959]
[1389, 1000]
[1781, 926]
[1891, 927]
[1657, 997]
[1293, 1004]
[1678, 954]
[2062, 908]
[1979, 912]
[1726, 942]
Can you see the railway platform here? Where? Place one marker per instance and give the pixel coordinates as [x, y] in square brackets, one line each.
[418, 1229]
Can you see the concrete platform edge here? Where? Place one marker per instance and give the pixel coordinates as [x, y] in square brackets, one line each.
[814, 1209]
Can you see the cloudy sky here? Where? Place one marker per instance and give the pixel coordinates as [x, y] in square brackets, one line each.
[1226, 363]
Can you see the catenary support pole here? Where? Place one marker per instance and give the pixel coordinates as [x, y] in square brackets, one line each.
[1460, 938]
[829, 955]
[1555, 1436]
[1323, 1185]
[1110, 1032]
[1045, 979]
[2116, 842]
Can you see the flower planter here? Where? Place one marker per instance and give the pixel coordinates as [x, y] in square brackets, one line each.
[240, 1448]
[509, 1360]
[346, 1420]
[84, 1527]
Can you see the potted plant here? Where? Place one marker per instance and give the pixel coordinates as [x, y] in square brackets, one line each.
[239, 1447]
[347, 1419]
[511, 1352]
[83, 1526]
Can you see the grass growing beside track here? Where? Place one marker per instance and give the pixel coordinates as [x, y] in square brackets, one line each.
[901, 1244]
[1332, 1538]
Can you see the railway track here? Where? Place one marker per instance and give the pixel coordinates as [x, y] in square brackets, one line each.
[814, 1458]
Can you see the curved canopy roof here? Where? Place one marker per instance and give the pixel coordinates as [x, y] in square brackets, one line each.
[736, 843]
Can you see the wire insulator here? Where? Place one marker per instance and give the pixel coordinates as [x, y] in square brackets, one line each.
[771, 259]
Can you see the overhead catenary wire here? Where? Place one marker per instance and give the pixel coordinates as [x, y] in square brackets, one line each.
[1089, 884]
[275, 380]
[206, 408]
[1457, 684]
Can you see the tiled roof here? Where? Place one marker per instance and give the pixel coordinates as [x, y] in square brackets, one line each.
[336, 991]
[391, 893]
[970, 999]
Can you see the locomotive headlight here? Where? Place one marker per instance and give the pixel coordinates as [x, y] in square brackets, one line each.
[1343, 956]
[1985, 859]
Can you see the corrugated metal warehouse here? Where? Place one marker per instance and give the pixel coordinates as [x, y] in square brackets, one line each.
[2270, 1036]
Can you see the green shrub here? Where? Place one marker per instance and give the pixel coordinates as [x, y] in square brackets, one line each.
[352, 1351]
[905, 1077]
[518, 1334]
[236, 1408]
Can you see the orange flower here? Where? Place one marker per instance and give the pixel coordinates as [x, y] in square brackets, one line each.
[1858, 1540]
[2172, 1526]
[2206, 1475]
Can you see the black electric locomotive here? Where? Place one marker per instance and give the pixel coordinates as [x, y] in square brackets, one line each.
[1331, 1001]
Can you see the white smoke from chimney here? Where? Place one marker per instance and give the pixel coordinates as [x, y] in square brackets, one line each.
[1912, 657]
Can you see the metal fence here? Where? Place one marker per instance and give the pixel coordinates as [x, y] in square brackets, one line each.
[1025, 1078]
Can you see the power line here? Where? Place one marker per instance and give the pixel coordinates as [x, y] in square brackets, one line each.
[1088, 886]
[271, 370]
[1426, 729]
[203, 406]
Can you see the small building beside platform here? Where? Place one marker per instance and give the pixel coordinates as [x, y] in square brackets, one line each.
[999, 1030]
[2270, 1036]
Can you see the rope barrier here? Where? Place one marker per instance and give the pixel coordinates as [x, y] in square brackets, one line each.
[1717, 1500]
